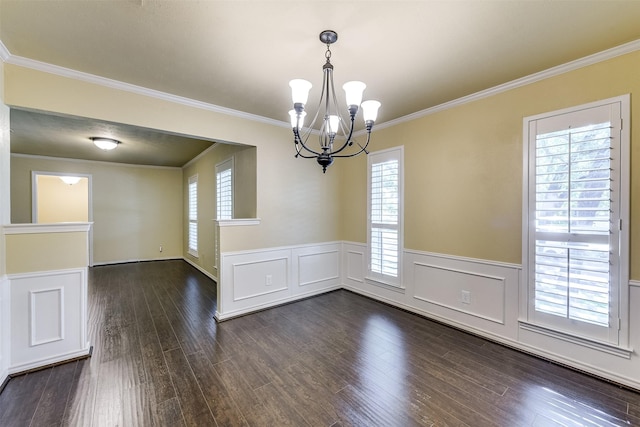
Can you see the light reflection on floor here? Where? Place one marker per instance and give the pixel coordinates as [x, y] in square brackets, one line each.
[555, 409]
[383, 376]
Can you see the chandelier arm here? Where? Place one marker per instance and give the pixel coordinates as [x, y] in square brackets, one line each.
[300, 144]
[362, 149]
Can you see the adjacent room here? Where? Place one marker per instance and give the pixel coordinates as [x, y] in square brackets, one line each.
[207, 218]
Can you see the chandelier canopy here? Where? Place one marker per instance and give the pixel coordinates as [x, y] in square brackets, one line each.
[333, 129]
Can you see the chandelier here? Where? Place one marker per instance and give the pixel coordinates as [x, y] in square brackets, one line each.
[333, 129]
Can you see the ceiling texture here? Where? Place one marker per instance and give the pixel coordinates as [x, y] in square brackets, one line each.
[240, 55]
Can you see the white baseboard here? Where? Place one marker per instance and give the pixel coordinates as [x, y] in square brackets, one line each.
[202, 270]
[53, 360]
[128, 261]
[271, 304]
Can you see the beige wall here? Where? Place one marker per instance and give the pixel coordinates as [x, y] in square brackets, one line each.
[46, 251]
[60, 202]
[463, 166]
[135, 208]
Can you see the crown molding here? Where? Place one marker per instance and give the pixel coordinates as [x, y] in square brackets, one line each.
[21, 61]
[623, 49]
[4, 52]
[532, 78]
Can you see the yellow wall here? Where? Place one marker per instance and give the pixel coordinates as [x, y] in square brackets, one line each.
[46, 251]
[463, 166]
[60, 202]
[135, 208]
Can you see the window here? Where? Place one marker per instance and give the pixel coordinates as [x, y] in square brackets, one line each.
[224, 189]
[193, 216]
[385, 203]
[576, 219]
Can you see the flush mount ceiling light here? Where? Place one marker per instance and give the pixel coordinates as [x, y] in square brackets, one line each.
[105, 143]
[332, 123]
[71, 180]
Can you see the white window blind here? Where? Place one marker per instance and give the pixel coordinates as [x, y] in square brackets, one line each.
[574, 210]
[224, 190]
[193, 215]
[385, 216]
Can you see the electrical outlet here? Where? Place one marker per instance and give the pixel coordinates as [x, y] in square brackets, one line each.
[268, 280]
[465, 297]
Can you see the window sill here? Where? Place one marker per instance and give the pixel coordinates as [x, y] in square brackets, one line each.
[193, 253]
[612, 349]
[385, 285]
[237, 222]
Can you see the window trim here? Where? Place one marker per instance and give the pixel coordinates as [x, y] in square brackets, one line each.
[619, 298]
[190, 250]
[378, 279]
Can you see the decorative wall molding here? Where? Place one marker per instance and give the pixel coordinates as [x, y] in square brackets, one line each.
[127, 87]
[514, 84]
[63, 227]
[607, 348]
[634, 283]
[257, 279]
[237, 222]
[318, 267]
[355, 262]
[253, 279]
[463, 259]
[47, 304]
[48, 318]
[441, 286]
[609, 362]
[623, 49]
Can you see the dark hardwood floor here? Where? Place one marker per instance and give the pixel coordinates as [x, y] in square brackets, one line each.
[338, 359]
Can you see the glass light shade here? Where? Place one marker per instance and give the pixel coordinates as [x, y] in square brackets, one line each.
[300, 90]
[370, 110]
[70, 179]
[294, 119]
[105, 143]
[354, 91]
[334, 122]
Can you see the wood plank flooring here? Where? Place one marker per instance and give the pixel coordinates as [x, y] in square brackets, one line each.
[338, 359]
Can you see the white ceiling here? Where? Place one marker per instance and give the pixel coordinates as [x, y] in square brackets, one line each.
[413, 55]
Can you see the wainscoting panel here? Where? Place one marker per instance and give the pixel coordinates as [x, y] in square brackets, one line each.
[255, 280]
[355, 264]
[460, 290]
[473, 294]
[316, 267]
[48, 317]
[47, 314]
